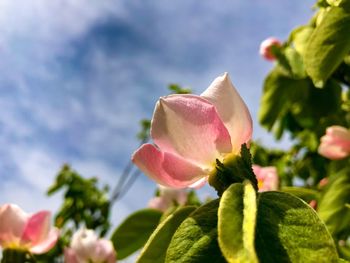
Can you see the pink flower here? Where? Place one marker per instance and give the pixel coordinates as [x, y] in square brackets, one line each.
[191, 132]
[267, 177]
[33, 233]
[168, 197]
[266, 48]
[86, 247]
[335, 144]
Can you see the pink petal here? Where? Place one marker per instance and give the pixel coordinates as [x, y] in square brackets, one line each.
[173, 195]
[200, 183]
[159, 203]
[333, 152]
[335, 144]
[104, 252]
[232, 110]
[70, 256]
[37, 227]
[189, 126]
[167, 168]
[12, 223]
[47, 243]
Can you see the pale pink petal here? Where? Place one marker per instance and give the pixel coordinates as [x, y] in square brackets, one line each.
[37, 228]
[12, 223]
[104, 252]
[166, 168]
[84, 242]
[200, 183]
[46, 243]
[70, 256]
[333, 152]
[173, 195]
[232, 110]
[189, 126]
[159, 203]
[265, 48]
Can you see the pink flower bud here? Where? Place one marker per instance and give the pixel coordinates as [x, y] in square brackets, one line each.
[267, 177]
[191, 132]
[86, 247]
[335, 144]
[323, 182]
[313, 204]
[167, 198]
[266, 48]
[19, 230]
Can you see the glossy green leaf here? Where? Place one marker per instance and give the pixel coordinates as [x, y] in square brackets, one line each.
[133, 233]
[196, 238]
[288, 230]
[155, 249]
[236, 223]
[328, 45]
[332, 206]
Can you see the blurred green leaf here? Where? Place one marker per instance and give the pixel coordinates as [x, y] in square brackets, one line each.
[280, 92]
[133, 233]
[332, 206]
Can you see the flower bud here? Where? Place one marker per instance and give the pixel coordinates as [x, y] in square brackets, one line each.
[335, 144]
[266, 48]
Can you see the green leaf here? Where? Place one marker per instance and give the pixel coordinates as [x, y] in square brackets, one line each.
[300, 37]
[196, 238]
[296, 63]
[280, 91]
[332, 206]
[328, 45]
[306, 194]
[236, 223]
[133, 233]
[288, 230]
[155, 249]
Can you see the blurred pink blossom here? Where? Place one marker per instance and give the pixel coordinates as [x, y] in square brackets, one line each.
[167, 198]
[267, 177]
[266, 48]
[86, 247]
[335, 144]
[19, 230]
[190, 132]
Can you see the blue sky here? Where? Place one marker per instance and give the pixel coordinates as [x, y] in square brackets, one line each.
[77, 76]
